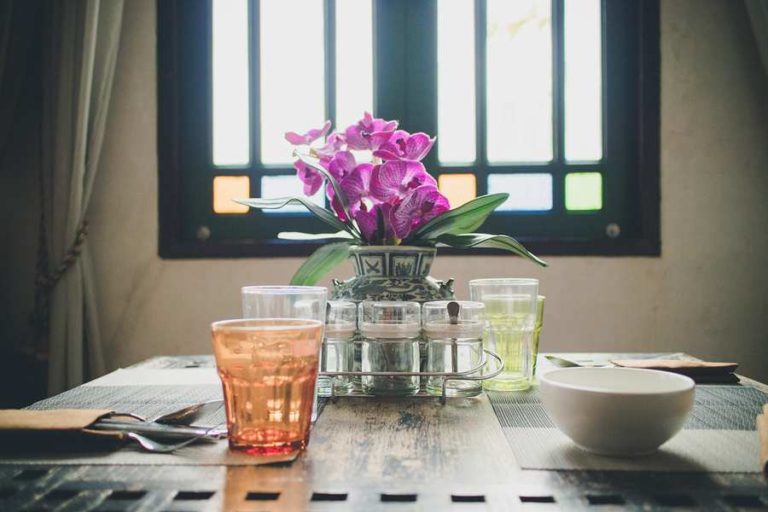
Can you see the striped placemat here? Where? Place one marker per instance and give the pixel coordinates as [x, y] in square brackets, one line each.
[719, 436]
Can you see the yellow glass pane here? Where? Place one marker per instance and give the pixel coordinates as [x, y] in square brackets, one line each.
[458, 188]
[227, 188]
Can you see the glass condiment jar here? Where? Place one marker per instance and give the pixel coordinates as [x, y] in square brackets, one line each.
[337, 349]
[454, 331]
[390, 332]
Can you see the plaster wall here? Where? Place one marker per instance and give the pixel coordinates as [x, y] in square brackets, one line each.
[705, 295]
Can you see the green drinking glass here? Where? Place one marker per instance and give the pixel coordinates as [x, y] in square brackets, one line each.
[510, 321]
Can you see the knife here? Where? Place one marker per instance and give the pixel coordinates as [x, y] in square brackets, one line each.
[156, 430]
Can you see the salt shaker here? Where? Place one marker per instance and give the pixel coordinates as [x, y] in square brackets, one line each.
[454, 332]
[390, 331]
[337, 349]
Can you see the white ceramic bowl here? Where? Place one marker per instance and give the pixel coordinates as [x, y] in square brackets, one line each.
[617, 411]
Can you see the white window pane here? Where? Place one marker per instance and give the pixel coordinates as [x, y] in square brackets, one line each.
[527, 192]
[583, 80]
[292, 73]
[456, 81]
[288, 186]
[231, 129]
[519, 80]
[354, 61]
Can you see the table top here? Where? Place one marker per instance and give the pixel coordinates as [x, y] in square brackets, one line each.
[378, 454]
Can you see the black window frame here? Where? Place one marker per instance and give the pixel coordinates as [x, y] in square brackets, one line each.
[628, 224]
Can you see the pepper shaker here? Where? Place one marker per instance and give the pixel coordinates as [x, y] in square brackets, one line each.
[454, 332]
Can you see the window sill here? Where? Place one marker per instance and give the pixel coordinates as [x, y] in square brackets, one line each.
[281, 248]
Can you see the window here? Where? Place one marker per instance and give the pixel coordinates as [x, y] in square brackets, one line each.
[552, 101]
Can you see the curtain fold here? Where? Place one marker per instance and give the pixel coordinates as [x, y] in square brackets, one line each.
[758, 15]
[80, 67]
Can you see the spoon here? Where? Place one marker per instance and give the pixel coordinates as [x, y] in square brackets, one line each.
[153, 446]
[454, 308]
[190, 414]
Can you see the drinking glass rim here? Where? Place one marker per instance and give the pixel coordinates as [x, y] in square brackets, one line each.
[240, 324]
[516, 281]
[283, 289]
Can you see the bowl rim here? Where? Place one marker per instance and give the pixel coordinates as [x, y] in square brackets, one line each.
[690, 383]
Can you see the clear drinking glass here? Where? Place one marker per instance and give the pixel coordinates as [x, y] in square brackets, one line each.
[510, 319]
[268, 370]
[454, 331]
[390, 331]
[306, 302]
[337, 350]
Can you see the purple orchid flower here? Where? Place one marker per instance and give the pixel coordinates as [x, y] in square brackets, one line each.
[368, 222]
[419, 207]
[340, 166]
[309, 137]
[342, 163]
[361, 134]
[333, 144]
[395, 179]
[357, 187]
[311, 178]
[355, 182]
[402, 145]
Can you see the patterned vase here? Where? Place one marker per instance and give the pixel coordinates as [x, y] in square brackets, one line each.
[392, 272]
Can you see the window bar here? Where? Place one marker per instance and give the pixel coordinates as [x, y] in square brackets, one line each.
[209, 93]
[558, 110]
[481, 157]
[374, 48]
[255, 95]
[604, 88]
[329, 11]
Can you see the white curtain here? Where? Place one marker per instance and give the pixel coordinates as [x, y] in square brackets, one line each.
[758, 15]
[79, 72]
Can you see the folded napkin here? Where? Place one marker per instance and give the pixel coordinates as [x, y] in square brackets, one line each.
[53, 430]
[762, 432]
[58, 419]
[701, 371]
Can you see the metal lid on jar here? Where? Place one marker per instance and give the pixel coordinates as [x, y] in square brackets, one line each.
[389, 319]
[453, 319]
[340, 318]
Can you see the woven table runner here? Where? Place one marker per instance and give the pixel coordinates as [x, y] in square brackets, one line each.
[149, 393]
[719, 436]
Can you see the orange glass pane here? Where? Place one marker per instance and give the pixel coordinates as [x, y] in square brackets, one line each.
[458, 188]
[227, 188]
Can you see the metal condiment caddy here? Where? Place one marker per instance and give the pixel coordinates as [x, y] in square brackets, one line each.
[389, 351]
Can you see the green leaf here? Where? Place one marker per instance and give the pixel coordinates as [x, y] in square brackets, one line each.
[321, 213]
[486, 241]
[314, 163]
[295, 235]
[464, 219]
[320, 263]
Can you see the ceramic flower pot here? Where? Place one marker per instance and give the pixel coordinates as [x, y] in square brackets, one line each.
[392, 272]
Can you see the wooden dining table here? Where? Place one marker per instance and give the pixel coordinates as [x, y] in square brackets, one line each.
[407, 454]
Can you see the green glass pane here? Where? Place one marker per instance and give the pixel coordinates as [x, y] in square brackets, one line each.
[583, 191]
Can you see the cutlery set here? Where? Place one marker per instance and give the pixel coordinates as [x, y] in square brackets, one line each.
[154, 435]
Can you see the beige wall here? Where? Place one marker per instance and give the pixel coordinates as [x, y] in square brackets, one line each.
[706, 295]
